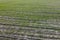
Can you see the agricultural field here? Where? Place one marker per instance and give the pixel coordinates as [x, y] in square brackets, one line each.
[30, 19]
